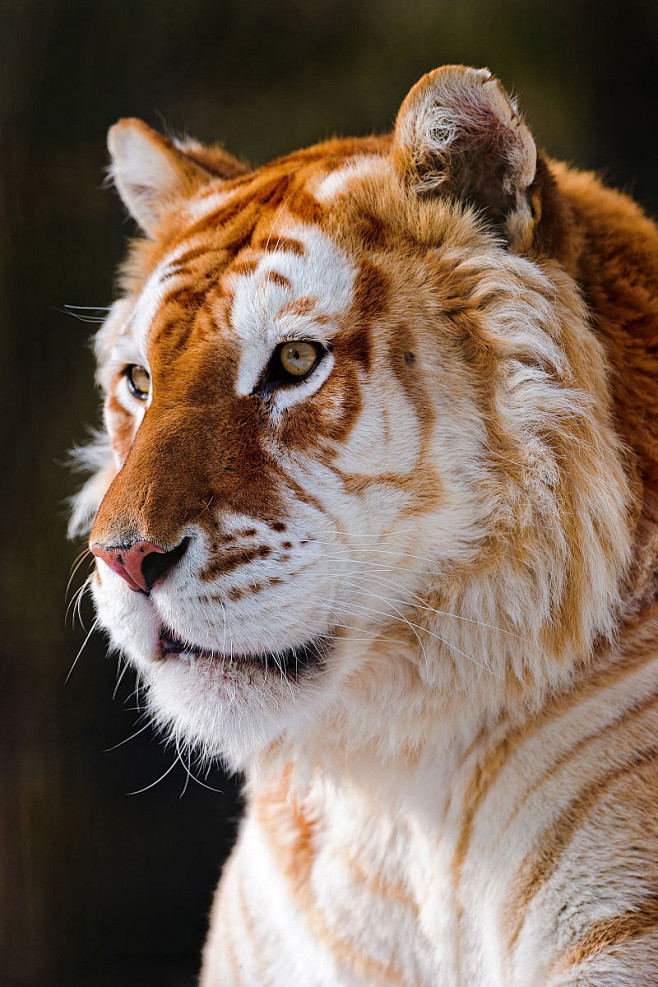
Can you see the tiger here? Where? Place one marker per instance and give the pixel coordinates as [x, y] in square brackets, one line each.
[374, 513]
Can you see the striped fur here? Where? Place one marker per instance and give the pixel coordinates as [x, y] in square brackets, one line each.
[416, 597]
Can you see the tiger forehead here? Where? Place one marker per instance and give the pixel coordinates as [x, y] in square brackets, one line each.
[299, 281]
[291, 281]
[276, 256]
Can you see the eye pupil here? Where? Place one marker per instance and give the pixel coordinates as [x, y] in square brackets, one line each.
[139, 381]
[298, 359]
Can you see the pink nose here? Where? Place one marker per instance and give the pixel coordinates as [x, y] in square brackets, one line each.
[128, 561]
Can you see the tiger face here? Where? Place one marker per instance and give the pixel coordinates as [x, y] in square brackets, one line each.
[359, 436]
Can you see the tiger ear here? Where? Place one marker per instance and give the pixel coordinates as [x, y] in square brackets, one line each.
[152, 172]
[459, 134]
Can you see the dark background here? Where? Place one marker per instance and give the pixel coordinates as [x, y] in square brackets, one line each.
[98, 887]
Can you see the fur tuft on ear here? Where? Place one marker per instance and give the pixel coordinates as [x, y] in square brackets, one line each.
[218, 162]
[458, 133]
[151, 172]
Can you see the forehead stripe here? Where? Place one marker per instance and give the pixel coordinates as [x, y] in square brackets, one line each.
[281, 244]
[322, 272]
[280, 279]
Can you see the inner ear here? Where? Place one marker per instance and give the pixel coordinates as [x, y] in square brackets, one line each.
[458, 133]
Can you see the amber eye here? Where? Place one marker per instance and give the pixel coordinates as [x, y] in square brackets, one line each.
[299, 358]
[139, 381]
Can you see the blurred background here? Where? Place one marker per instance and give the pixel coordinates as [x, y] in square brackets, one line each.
[97, 886]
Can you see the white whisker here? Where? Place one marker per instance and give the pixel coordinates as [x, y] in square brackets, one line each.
[128, 739]
[403, 618]
[84, 645]
[425, 630]
[171, 767]
[186, 768]
[378, 579]
[125, 668]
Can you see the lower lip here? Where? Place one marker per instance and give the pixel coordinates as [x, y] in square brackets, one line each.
[171, 647]
[296, 660]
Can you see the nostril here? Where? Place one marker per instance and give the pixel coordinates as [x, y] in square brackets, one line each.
[156, 565]
[142, 564]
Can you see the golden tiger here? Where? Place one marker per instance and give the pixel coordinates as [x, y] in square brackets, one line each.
[377, 525]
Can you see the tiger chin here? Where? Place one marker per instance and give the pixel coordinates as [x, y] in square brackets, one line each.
[375, 520]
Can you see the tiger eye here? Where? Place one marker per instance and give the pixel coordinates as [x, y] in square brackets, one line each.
[298, 359]
[139, 381]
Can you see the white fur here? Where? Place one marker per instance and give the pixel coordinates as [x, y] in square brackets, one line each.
[259, 314]
[340, 179]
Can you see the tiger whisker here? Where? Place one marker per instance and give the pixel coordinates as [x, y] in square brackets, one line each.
[76, 602]
[128, 739]
[192, 777]
[125, 668]
[383, 551]
[276, 220]
[406, 621]
[146, 788]
[81, 316]
[425, 630]
[84, 644]
[78, 606]
[423, 605]
[90, 308]
[186, 767]
[383, 565]
[75, 565]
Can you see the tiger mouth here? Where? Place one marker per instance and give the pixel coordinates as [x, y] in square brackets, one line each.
[289, 662]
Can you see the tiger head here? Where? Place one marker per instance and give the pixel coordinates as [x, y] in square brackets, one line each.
[359, 474]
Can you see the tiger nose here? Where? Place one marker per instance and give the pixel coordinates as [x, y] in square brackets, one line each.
[142, 564]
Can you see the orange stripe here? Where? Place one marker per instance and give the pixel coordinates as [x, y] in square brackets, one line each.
[379, 885]
[282, 244]
[484, 776]
[541, 863]
[487, 770]
[617, 724]
[279, 279]
[294, 855]
[610, 932]
[490, 765]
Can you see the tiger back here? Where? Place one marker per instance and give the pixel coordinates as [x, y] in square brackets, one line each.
[375, 520]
